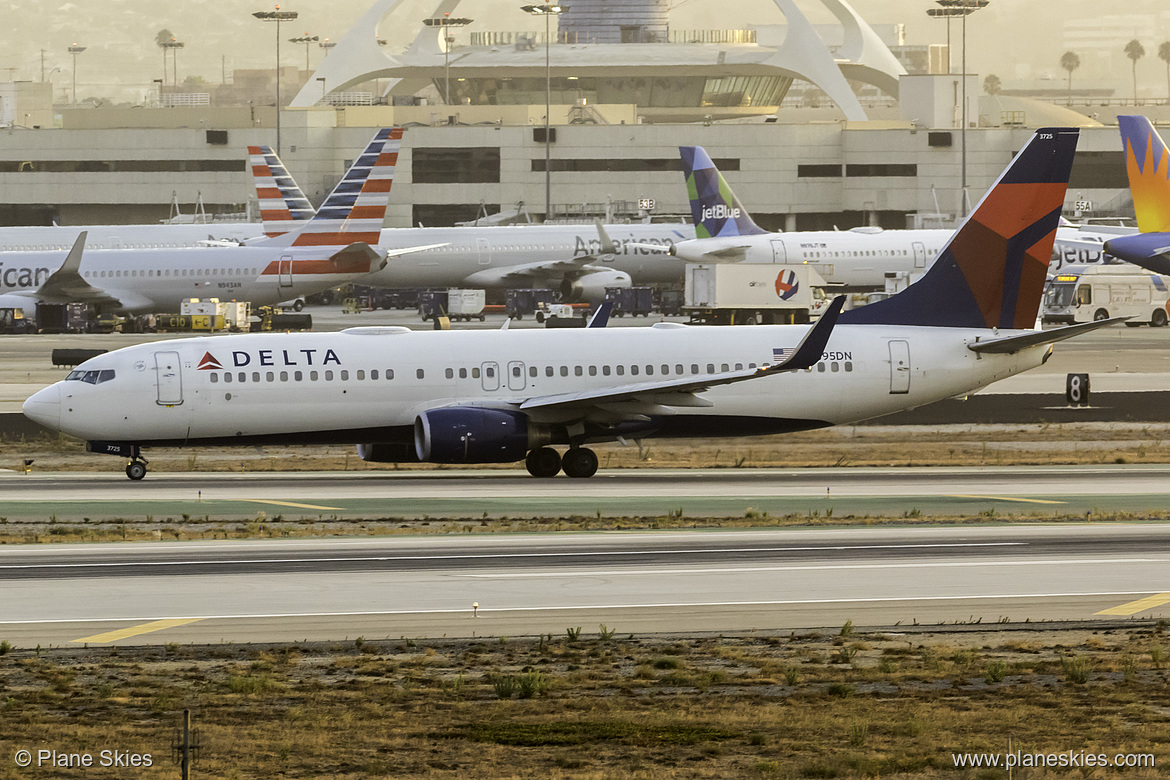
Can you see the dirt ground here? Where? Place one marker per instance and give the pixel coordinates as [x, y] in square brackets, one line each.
[597, 703]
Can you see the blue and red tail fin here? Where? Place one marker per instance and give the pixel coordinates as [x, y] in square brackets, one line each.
[355, 210]
[1147, 162]
[991, 273]
[714, 207]
[283, 206]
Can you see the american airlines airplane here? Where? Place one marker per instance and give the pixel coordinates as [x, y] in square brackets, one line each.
[858, 259]
[331, 248]
[506, 396]
[580, 260]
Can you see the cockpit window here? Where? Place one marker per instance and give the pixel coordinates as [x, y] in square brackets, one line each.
[91, 377]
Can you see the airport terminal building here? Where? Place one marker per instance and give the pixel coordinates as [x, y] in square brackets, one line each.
[613, 145]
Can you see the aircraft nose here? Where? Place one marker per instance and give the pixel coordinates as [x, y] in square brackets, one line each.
[44, 407]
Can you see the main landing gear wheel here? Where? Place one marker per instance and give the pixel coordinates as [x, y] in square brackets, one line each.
[543, 462]
[579, 462]
[136, 470]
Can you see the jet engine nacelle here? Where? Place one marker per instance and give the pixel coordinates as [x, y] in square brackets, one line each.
[472, 435]
[388, 452]
[591, 286]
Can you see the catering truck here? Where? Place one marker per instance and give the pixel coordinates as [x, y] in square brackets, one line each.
[752, 293]
[1104, 291]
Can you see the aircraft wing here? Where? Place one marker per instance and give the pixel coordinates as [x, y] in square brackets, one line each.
[1016, 343]
[658, 397]
[66, 285]
[511, 274]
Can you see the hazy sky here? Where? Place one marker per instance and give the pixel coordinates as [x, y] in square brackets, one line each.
[1017, 39]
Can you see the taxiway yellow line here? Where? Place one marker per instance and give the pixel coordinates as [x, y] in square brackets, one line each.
[1134, 607]
[290, 503]
[142, 628]
[1011, 498]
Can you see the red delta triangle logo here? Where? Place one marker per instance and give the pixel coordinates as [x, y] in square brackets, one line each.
[786, 284]
[208, 363]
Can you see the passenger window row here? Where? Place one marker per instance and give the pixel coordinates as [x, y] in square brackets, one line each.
[301, 376]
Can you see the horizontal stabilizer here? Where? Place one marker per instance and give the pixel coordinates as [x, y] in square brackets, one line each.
[1010, 344]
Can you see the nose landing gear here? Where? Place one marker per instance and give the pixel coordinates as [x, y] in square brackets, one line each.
[136, 468]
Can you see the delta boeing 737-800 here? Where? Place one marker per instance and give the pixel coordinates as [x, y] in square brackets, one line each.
[506, 396]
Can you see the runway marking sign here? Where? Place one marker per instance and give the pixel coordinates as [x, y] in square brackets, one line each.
[1141, 605]
[1011, 498]
[143, 628]
[290, 503]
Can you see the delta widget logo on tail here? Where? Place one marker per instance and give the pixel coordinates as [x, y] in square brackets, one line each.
[209, 363]
[787, 284]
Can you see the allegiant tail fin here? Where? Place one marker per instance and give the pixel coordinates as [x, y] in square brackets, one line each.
[991, 273]
[1147, 163]
[715, 209]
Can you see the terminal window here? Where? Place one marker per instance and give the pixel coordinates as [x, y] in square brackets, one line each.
[465, 165]
[879, 169]
[815, 171]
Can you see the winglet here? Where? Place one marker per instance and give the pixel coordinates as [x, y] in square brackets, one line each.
[608, 247]
[601, 316]
[808, 352]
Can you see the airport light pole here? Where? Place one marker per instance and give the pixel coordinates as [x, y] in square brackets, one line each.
[74, 49]
[963, 8]
[277, 16]
[444, 23]
[547, 10]
[305, 39]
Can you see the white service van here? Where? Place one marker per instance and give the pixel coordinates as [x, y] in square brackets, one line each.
[1101, 292]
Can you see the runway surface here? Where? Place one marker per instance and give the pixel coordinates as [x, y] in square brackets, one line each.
[646, 492]
[697, 581]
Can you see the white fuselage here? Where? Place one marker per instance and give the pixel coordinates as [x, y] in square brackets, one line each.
[366, 384]
[485, 256]
[863, 258]
[157, 280]
[43, 238]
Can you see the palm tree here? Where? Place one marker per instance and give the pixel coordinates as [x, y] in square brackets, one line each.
[1070, 62]
[1135, 51]
[992, 85]
[1164, 56]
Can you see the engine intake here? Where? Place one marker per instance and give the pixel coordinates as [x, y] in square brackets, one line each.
[591, 286]
[471, 435]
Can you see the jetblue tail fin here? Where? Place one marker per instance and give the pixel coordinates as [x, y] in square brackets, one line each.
[714, 207]
[1147, 162]
[283, 207]
[991, 272]
[356, 208]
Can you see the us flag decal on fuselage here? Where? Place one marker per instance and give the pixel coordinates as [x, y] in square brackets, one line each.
[779, 354]
[208, 363]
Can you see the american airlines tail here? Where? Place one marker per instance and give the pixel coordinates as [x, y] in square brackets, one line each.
[355, 210]
[1147, 162]
[283, 206]
[714, 207]
[991, 273]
